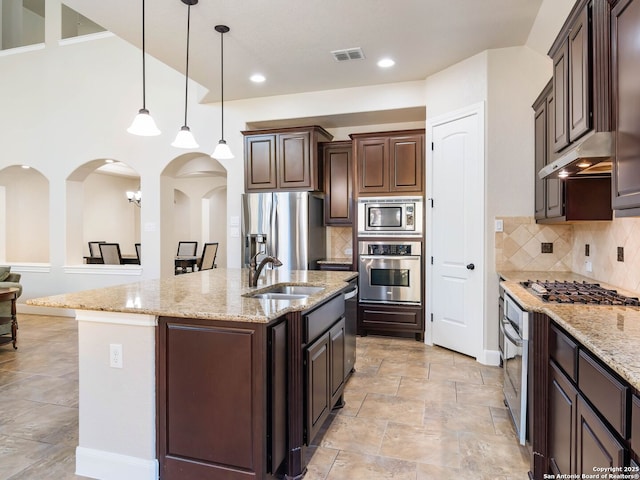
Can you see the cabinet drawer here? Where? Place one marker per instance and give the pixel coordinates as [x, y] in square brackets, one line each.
[606, 393]
[635, 425]
[319, 320]
[390, 316]
[564, 351]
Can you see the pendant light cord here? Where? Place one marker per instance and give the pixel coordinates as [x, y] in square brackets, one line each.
[186, 86]
[144, 81]
[222, 83]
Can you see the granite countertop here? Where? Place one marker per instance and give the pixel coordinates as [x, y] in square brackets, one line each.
[216, 294]
[335, 261]
[612, 333]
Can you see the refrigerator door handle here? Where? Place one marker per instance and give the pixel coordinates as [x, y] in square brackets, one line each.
[274, 227]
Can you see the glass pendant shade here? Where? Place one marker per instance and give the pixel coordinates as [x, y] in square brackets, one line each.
[185, 139]
[143, 125]
[222, 151]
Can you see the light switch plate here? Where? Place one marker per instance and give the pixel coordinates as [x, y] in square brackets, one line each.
[499, 225]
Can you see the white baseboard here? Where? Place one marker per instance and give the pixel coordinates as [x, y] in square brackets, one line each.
[489, 357]
[114, 466]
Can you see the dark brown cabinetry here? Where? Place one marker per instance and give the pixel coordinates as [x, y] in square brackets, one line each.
[581, 73]
[549, 193]
[377, 318]
[389, 163]
[596, 446]
[324, 359]
[283, 159]
[584, 411]
[626, 100]
[338, 183]
[635, 428]
[571, 199]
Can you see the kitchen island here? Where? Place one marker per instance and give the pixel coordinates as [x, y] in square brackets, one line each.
[193, 377]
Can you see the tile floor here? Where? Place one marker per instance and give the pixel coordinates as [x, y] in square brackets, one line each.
[412, 412]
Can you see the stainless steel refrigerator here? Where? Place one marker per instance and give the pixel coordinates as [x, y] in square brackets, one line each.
[287, 225]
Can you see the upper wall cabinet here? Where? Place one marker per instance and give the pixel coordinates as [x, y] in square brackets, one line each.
[572, 199]
[581, 73]
[389, 163]
[338, 183]
[626, 94]
[283, 159]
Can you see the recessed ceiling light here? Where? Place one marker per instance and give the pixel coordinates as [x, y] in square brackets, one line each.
[257, 78]
[386, 63]
[108, 160]
[26, 167]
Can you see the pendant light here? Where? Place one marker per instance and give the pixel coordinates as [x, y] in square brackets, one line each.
[222, 151]
[143, 123]
[185, 138]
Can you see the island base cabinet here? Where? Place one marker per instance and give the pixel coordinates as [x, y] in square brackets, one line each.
[211, 400]
[563, 397]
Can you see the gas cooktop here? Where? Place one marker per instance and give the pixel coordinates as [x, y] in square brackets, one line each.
[578, 292]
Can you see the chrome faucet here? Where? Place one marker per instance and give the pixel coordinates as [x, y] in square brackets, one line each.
[255, 268]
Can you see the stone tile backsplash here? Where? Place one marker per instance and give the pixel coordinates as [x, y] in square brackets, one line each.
[339, 242]
[518, 247]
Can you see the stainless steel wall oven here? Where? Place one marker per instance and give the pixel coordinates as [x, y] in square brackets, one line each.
[390, 272]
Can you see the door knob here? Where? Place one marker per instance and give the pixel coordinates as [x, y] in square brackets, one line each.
[471, 266]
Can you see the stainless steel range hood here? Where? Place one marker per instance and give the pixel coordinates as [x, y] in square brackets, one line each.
[592, 155]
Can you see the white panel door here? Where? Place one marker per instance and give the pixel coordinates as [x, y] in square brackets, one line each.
[456, 232]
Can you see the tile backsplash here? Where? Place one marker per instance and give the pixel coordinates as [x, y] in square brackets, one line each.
[518, 247]
[339, 242]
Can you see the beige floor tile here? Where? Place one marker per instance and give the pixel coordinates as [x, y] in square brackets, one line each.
[367, 364]
[392, 408]
[491, 375]
[427, 389]
[435, 472]
[372, 383]
[460, 359]
[319, 461]
[40, 422]
[404, 369]
[352, 403]
[16, 454]
[502, 422]
[489, 395]
[456, 417]
[354, 434]
[58, 464]
[492, 454]
[428, 354]
[455, 373]
[418, 444]
[355, 466]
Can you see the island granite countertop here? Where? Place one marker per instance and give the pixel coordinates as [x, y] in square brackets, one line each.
[218, 294]
[610, 332]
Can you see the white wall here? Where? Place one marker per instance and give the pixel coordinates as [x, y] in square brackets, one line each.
[548, 23]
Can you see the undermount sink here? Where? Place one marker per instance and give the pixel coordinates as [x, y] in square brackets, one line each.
[286, 292]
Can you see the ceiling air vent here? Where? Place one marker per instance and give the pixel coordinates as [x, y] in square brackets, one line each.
[348, 54]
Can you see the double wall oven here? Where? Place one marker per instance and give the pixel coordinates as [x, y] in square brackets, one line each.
[390, 249]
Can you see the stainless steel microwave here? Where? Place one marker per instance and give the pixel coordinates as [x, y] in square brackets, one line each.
[390, 215]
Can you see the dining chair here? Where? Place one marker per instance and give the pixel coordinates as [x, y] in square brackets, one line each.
[186, 249]
[208, 260]
[94, 250]
[138, 252]
[111, 253]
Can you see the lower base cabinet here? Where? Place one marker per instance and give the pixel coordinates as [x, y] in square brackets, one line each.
[563, 397]
[324, 359]
[391, 319]
[597, 447]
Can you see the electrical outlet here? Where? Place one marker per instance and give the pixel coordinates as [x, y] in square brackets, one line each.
[115, 355]
[546, 247]
[499, 225]
[621, 254]
[588, 266]
[348, 251]
[586, 250]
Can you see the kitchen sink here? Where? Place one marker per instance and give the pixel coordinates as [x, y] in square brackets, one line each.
[286, 292]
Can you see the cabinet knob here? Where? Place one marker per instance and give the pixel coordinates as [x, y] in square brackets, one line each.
[471, 266]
